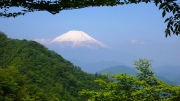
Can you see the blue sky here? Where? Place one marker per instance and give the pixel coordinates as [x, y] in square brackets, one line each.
[137, 29]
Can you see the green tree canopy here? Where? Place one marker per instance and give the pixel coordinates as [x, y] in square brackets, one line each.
[143, 87]
[55, 6]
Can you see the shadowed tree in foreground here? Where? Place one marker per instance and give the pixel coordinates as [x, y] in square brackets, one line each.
[55, 6]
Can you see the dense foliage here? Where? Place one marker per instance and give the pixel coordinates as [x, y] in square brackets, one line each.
[31, 72]
[143, 87]
[55, 6]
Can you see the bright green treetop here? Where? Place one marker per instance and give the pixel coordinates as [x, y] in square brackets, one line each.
[143, 87]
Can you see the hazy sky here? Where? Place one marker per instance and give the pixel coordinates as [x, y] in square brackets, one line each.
[137, 29]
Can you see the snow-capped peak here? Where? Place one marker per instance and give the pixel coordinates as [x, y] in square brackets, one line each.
[78, 38]
[74, 36]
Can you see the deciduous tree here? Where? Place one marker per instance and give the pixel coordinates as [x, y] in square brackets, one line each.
[143, 87]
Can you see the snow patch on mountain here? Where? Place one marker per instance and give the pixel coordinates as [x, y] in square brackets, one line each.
[78, 39]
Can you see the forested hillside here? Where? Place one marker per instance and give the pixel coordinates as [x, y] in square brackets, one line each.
[31, 72]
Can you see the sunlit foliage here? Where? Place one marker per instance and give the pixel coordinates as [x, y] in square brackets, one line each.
[143, 87]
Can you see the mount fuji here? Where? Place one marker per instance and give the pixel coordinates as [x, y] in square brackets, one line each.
[88, 53]
[78, 39]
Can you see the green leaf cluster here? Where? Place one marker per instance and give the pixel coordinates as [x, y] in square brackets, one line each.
[143, 87]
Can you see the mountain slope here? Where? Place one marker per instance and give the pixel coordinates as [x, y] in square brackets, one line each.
[169, 72]
[78, 39]
[95, 66]
[37, 73]
[166, 80]
[130, 71]
[119, 69]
